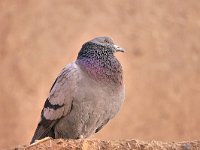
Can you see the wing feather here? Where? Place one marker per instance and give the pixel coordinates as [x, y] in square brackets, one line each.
[59, 102]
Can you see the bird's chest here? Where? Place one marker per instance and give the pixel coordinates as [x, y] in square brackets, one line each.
[96, 98]
[94, 95]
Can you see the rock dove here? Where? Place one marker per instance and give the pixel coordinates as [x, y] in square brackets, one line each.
[86, 95]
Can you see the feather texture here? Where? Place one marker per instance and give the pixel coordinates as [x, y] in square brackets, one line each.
[59, 102]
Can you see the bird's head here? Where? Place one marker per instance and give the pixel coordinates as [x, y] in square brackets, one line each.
[100, 47]
[107, 42]
[96, 57]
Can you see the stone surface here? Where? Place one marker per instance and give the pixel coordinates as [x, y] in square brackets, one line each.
[95, 144]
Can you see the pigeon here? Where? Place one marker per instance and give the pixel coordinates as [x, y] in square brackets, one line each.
[86, 95]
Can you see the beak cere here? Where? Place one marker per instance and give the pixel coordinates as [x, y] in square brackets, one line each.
[119, 49]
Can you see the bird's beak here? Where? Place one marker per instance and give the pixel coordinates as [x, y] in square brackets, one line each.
[119, 49]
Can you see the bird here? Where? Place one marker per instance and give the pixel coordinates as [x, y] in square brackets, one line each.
[86, 95]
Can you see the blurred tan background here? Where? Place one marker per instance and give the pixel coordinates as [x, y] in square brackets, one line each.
[161, 65]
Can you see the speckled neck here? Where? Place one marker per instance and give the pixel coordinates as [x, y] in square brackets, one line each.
[100, 64]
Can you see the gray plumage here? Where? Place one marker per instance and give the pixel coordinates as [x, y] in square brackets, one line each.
[86, 94]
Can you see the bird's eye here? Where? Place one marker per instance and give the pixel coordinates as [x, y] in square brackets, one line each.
[106, 41]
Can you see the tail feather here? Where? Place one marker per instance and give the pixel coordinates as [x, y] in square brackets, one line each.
[43, 131]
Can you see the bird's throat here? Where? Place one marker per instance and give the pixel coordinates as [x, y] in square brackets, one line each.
[109, 71]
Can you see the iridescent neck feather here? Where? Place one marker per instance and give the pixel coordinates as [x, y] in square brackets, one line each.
[100, 63]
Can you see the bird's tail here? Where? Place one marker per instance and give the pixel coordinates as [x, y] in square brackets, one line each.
[43, 131]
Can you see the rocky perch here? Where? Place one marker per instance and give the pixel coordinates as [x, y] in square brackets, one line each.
[96, 144]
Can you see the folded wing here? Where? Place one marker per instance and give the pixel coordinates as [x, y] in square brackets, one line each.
[59, 102]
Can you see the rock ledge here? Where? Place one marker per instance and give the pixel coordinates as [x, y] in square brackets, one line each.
[96, 144]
